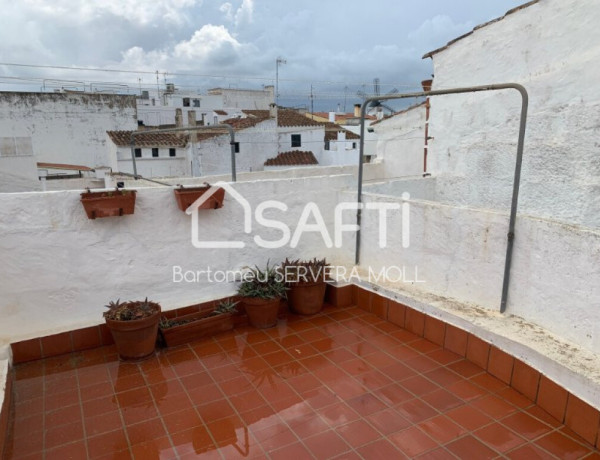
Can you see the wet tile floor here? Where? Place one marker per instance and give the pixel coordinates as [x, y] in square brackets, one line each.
[343, 384]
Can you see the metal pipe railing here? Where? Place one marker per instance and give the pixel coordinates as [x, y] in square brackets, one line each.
[189, 128]
[517, 177]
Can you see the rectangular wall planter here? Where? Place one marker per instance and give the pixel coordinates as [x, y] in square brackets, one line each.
[187, 196]
[199, 325]
[108, 204]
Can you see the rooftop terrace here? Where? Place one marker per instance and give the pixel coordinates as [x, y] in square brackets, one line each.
[345, 383]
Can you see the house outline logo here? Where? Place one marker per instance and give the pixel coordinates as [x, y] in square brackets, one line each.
[193, 212]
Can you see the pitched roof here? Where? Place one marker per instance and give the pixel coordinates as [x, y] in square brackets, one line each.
[293, 158]
[286, 118]
[332, 130]
[220, 112]
[63, 166]
[480, 26]
[247, 122]
[123, 139]
[340, 118]
[408, 109]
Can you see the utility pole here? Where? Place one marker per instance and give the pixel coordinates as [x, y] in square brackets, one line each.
[278, 61]
[312, 111]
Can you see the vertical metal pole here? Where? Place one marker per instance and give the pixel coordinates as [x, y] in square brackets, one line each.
[363, 111]
[232, 142]
[515, 198]
[132, 142]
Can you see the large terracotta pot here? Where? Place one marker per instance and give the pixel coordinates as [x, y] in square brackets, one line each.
[262, 313]
[135, 339]
[108, 204]
[307, 299]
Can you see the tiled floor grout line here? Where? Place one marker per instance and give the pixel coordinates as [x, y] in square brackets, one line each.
[85, 437]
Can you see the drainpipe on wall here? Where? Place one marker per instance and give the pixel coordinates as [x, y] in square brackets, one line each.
[427, 85]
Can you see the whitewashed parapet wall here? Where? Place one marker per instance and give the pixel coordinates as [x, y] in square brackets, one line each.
[60, 268]
[552, 48]
[459, 252]
[66, 127]
[401, 142]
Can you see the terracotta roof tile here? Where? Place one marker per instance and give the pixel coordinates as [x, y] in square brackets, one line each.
[332, 130]
[293, 158]
[408, 109]
[286, 118]
[123, 139]
[244, 123]
[63, 166]
[220, 112]
[451, 42]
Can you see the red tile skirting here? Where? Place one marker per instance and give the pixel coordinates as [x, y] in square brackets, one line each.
[579, 416]
[4, 413]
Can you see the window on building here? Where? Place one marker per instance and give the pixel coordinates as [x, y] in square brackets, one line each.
[186, 101]
[172, 152]
[326, 145]
[155, 152]
[236, 146]
[354, 145]
[196, 102]
[296, 140]
[138, 153]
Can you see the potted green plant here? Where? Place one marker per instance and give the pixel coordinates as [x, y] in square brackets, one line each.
[261, 292]
[306, 283]
[110, 203]
[134, 327]
[186, 196]
[208, 320]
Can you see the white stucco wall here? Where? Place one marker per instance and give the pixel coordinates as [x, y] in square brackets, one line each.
[61, 268]
[459, 252]
[66, 128]
[401, 142]
[552, 48]
[18, 174]
[257, 144]
[312, 139]
[161, 166]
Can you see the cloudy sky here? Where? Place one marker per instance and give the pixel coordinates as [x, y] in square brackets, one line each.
[337, 47]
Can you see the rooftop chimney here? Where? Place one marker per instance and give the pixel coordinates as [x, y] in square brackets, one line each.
[357, 110]
[178, 118]
[272, 111]
[192, 122]
[332, 117]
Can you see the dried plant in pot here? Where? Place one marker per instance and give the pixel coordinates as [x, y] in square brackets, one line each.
[204, 322]
[109, 203]
[134, 327]
[186, 196]
[261, 292]
[306, 282]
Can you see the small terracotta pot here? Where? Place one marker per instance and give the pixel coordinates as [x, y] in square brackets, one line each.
[186, 196]
[135, 339]
[262, 313]
[427, 84]
[307, 299]
[108, 204]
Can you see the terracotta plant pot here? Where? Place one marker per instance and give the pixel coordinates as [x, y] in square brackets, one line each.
[199, 325]
[135, 339]
[426, 84]
[108, 204]
[187, 196]
[307, 298]
[262, 313]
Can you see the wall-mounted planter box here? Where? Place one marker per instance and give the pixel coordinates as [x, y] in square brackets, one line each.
[187, 196]
[108, 204]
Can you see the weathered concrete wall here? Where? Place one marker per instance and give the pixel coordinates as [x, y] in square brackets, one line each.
[64, 127]
[312, 139]
[401, 141]
[60, 268]
[552, 48]
[459, 252]
[18, 174]
[161, 166]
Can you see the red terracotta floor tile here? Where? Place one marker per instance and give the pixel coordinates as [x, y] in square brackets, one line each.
[469, 447]
[499, 437]
[342, 384]
[358, 433]
[326, 445]
[562, 446]
[413, 441]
